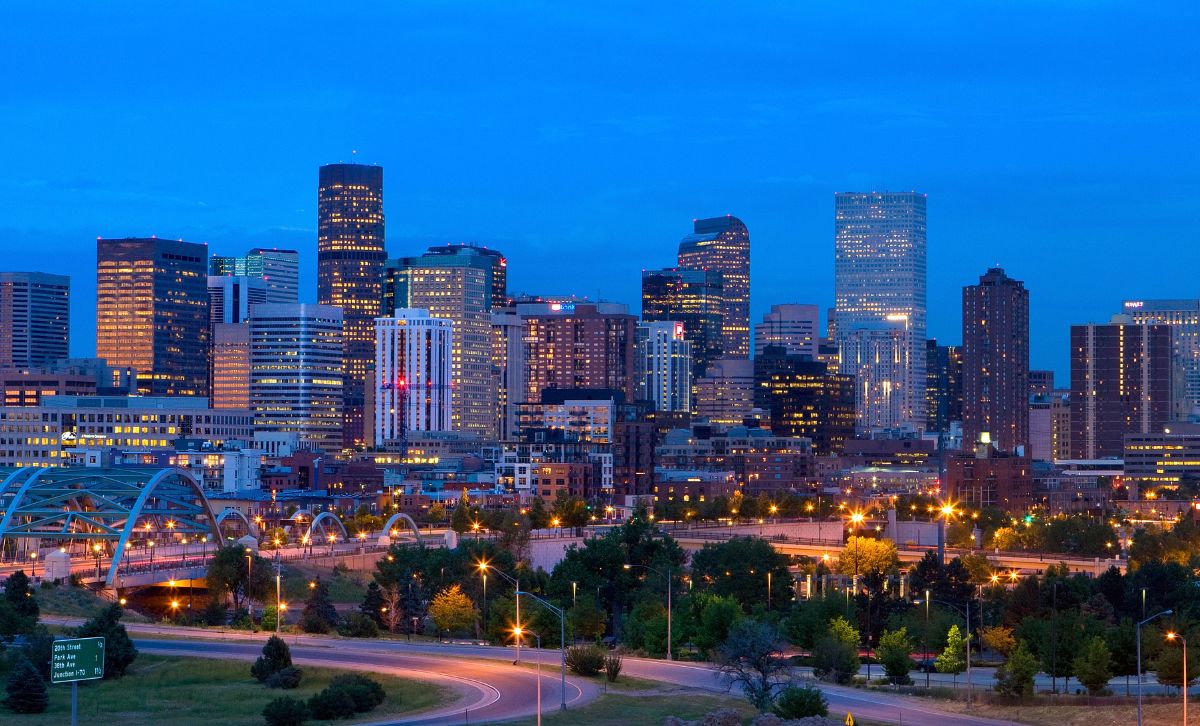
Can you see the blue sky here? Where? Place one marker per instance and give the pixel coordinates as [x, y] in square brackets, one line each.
[1055, 138]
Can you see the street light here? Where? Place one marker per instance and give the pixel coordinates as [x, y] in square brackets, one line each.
[669, 588]
[484, 566]
[562, 641]
[517, 631]
[1173, 636]
[1139, 659]
[33, 556]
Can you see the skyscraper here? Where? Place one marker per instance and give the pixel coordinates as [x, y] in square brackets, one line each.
[296, 372]
[1120, 384]
[412, 374]
[802, 398]
[278, 269]
[879, 277]
[350, 258]
[1183, 317]
[664, 360]
[35, 319]
[508, 369]
[693, 298]
[943, 385]
[725, 394]
[152, 313]
[231, 365]
[793, 327]
[995, 324]
[460, 283]
[722, 244]
[582, 345]
[879, 356]
[230, 297]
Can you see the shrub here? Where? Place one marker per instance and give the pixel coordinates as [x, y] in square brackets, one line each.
[285, 711]
[331, 703]
[26, 689]
[585, 660]
[800, 702]
[612, 666]
[359, 625]
[835, 660]
[286, 678]
[275, 657]
[365, 692]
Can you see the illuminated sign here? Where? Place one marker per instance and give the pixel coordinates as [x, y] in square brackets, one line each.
[1134, 304]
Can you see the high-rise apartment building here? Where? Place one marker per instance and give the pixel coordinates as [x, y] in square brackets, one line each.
[1183, 317]
[350, 258]
[725, 394]
[231, 365]
[230, 297]
[795, 328]
[694, 298]
[508, 369]
[581, 345]
[296, 372]
[943, 385]
[664, 366]
[152, 313]
[995, 325]
[35, 319]
[802, 398]
[879, 278]
[460, 283]
[412, 374]
[278, 269]
[722, 244]
[1120, 384]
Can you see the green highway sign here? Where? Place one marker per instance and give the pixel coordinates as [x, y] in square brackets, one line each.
[76, 659]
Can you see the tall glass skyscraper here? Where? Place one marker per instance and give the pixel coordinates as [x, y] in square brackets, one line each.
[279, 270]
[693, 298]
[1183, 316]
[722, 244]
[879, 282]
[35, 318]
[350, 257]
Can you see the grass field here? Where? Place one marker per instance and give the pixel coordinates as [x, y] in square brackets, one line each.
[622, 710]
[1079, 713]
[76, 602]
[349, 587]
[165, 691]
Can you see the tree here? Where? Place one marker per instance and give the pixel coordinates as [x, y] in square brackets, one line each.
[1014, 679]
[894, 649]
[739, 568]
[835, 660]
[587, 621]
[373, 605]
[461, 518]
[227, 573]
[538, 516]
[18, 592]
[809, 621]
[844, 630]
[863, 556]
[952, 659]
[319, 616]
[797, 702]
[1122, 641]
[393, 608]
[452, 610]
[25, 688]
[570, 511]
[717, 615]
[1093, 667]
[998, 638]
[275, 657]
[119, 652]
[1168, 666]
[752, 657]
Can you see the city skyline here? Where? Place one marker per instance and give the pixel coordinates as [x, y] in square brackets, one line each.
[1032, 170]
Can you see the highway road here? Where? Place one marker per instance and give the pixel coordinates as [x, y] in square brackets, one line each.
[491, 689]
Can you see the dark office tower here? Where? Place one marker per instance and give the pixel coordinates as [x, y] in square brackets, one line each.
[1041, 383]
[803, 398]
[943, 385]
[694, 298]
[350, 257]
[1120, 384]
[35, 319]
[152, 313]
[879, 276]
[995, 325]
[722, 244]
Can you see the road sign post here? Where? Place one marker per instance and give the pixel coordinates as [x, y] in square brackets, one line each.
[73, 660]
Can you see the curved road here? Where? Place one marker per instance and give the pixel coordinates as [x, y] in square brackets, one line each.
[490, 688]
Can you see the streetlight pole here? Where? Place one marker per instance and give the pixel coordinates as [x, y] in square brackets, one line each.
[517, 631]
[1177, 636]
[562, 641]
[1139, 659]
[483, 568]
[669, 588]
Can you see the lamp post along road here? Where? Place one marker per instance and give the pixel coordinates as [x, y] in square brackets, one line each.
[1183, 640]
[484, 567]
[562, 642]
[669, 588]
[1139, 659]
[517, 631]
